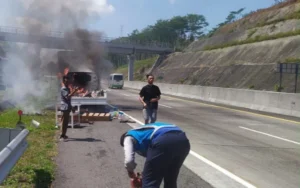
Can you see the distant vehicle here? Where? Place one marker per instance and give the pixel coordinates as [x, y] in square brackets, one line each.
[116, 80]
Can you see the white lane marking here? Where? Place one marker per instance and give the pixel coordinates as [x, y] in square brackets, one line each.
[126, 95]
[270, 135]
[164, 105]
[224, 171]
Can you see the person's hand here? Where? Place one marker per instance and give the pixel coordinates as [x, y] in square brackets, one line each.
[144, 105]
[131, 174]
[137, 181]
[153, 100]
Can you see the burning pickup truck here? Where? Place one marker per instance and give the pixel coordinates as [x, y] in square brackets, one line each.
[89, 100]
[89, 92]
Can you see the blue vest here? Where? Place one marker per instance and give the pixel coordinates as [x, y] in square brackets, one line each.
[143, 135]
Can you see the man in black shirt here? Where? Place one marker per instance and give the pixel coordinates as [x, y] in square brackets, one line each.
[149, 97]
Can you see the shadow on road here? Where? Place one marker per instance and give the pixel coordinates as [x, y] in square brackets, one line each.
[84, 140]
[127, 108]
[42, 179]
[80, 126]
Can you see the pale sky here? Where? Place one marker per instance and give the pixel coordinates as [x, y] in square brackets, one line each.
[137, 14]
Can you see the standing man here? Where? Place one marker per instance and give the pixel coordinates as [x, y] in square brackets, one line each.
[65, 106]
[149, 97]
[165, 147]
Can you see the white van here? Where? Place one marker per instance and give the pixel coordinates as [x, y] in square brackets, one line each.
[116, 80]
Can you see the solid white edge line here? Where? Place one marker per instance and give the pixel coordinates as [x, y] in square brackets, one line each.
[270, 135]
[224, 171]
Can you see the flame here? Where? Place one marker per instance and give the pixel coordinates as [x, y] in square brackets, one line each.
[66, 71]
[81, 91]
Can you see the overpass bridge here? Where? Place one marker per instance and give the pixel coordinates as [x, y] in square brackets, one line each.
[56, 40]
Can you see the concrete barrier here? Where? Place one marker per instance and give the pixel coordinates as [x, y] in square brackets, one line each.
[266, 101]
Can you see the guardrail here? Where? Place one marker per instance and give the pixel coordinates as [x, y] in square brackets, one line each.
[12, 146]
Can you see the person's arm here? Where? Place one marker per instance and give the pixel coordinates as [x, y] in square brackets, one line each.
[141, 97]
[74, 91]
[66, 95]
[129, 155]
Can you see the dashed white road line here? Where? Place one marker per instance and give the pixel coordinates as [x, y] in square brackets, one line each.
[270, 135]
[164, 105]
[210, 163]
[158, 104]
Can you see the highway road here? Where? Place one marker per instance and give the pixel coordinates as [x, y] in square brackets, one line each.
[230, 148]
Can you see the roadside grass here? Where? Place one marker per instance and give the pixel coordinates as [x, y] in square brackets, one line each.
[37, 166]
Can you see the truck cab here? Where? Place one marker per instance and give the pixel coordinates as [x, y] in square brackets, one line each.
[116, 80]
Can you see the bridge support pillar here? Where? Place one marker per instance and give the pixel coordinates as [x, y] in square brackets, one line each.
[131, 59]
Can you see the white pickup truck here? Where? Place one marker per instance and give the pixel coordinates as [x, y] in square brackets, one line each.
[90, 97]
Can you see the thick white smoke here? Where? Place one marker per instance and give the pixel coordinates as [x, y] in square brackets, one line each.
[62, 15]
[28, 63]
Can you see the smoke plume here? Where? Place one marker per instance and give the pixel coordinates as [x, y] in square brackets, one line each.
[29, 63]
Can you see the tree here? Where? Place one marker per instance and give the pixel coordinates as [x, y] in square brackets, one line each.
[278, 1]
[232, 17]
[196, 25]
[179, 31]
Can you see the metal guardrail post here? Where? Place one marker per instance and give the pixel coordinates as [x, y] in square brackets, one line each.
[12, 153]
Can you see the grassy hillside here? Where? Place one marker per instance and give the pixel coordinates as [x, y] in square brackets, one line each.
[242, 54]
[140, 68]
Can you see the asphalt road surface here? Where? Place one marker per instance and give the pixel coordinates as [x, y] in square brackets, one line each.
[93, 158]
[230, 148]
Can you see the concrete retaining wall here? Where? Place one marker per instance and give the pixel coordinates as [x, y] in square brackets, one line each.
[274, 102]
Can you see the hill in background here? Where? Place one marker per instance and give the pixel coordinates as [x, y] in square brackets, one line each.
[240, 54]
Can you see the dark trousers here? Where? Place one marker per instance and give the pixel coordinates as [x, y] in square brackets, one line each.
[165, 157]
[65, 122]
[150, 115]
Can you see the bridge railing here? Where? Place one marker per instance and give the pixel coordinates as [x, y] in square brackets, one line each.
[99, 38]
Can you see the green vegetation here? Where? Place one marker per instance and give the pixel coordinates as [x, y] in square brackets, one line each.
[255, 39]
[232, 17]
[251, 33]
[278, 88]
[140, 68]
[294, 15]
[36, 167]
[176, 31]
[292, 60]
